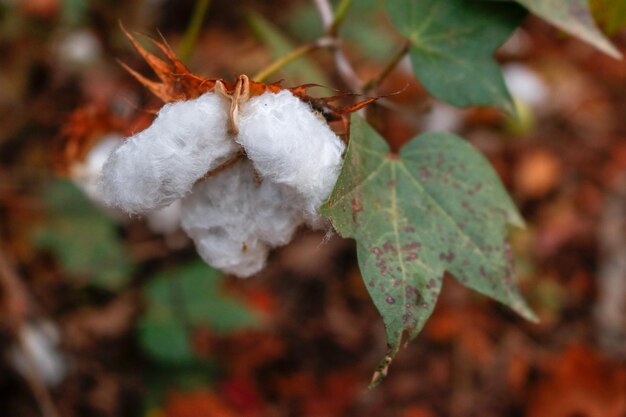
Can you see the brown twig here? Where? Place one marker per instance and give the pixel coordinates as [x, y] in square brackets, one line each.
[611, 301]
[232, 161]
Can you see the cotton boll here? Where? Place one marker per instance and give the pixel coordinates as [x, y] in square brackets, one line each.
[231, 255]
[276, 217]
[217, 216]
[160, 164]
[234, 221]
[290, 145]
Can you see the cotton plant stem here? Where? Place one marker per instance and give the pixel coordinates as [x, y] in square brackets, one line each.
[397, 58]
[331, 24]
[340, 15]
[193, 29]
[287, 59]
[325, 11]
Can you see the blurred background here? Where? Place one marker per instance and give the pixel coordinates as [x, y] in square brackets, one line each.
[106, 315]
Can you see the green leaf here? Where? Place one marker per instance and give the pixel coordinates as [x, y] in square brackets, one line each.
[83, 238]
[452, 46]
[165, 338]
[574, 17]
[436, 206]
[179, 300]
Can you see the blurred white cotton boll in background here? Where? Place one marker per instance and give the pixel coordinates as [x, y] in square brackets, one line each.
[289, 144]
[80, 47]
[234, 221]
[161, 164]
[39, 348]
[443, 118]
[525, 84]
[85, 174]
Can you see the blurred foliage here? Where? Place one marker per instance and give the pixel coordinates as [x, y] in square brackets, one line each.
[74, 12]
[182, 299]
[83, 238]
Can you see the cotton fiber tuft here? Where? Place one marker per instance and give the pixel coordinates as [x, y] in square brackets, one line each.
[160, 164]
[289, 144]
[234, 221]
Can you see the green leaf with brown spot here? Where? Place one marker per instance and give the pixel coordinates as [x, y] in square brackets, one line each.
[574, 17]
[436, 206]
[452, 47]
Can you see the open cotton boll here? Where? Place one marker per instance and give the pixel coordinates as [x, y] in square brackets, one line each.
[160, 164]
[289, 144]
[234, 221]
[230, 256]
[275, 215]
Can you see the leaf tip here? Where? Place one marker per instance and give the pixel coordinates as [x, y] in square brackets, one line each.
[381, 371]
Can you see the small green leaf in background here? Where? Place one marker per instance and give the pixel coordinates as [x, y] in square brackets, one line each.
[436, 206]
[574, 17]
[300, 71]
[611, 14]
[83, 238]
[179, 300]
[452, 47]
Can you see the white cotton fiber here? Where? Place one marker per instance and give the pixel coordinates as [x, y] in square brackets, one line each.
[39, 349]
[85, 174]
[290, 145]
[160, 164]
[525, 84]
[165, 220]
[234, 220]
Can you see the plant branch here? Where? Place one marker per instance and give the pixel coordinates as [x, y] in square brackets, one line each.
[193, 29]
[16, 296]
[290, 57]
[326, 12]
[340, 15]
[331, 24]
[372, 84]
